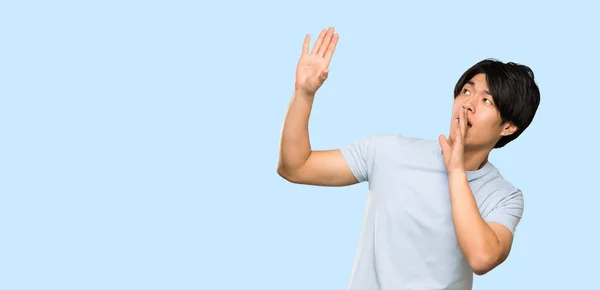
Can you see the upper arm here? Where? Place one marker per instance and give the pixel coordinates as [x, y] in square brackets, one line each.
[508, 210]
[503, 221]
[338, 167]
[497, 252]
[326, 168]
[505, 240]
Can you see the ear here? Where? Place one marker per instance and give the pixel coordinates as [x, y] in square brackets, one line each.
[508, 128]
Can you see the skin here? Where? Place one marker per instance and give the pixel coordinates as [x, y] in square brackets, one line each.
[298, 163]
[476, 105]
[485, 245]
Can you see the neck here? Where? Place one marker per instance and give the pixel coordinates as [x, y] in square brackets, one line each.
[475, 159]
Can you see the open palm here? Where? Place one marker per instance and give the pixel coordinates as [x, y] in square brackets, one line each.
[313, 67]
[453, 148]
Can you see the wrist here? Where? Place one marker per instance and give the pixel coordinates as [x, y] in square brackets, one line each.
[303, 93]
[457, 174]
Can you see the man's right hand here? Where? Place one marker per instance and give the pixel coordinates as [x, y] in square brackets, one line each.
[313, 67]
[298, 163]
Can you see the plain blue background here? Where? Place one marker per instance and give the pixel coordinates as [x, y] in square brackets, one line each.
[140, 138]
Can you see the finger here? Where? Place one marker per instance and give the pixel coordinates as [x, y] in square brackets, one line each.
[318, 42]
[455, 115]
[444, 144]
[331, 48]
[460, 129]
[453, 123]
[463, 122]
[459, 136]
[326, 42]
[458, 144]
[305, 44]
[455, 129]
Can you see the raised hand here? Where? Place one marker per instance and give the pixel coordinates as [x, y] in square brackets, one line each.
[453, 149]
[313, 67]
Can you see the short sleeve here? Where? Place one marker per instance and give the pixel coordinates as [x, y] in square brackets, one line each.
[508, 211]
[360, 157]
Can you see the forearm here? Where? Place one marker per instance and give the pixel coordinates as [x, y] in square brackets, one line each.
[476, 239]
[295, 144]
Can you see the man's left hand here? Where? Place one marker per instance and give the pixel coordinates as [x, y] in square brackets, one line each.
[453, 149]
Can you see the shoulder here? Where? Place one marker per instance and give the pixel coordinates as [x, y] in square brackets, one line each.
[501, 185]
[495, 191]
[399, 150]
[491, 180]
[390, 146]
[398, 141]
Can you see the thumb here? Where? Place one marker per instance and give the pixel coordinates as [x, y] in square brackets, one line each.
[444, 144]
[324, 74]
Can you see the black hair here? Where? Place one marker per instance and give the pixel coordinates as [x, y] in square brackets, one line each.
[514, 90]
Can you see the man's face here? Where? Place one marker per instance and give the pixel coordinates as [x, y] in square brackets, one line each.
[485, 125]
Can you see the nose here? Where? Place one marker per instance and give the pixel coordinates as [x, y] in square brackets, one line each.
[468, 105]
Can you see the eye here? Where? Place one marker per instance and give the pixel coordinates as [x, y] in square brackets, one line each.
[466, 92]
[487, 100]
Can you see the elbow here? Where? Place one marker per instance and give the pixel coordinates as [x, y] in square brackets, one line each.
[482, 264]
[281, 171]
[481, 271]
[285, 174]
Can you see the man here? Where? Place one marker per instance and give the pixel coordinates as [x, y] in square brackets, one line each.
[437, 210]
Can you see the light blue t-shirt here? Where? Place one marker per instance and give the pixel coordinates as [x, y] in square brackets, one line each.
[408, 239]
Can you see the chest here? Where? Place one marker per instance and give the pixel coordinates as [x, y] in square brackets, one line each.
[417, 190]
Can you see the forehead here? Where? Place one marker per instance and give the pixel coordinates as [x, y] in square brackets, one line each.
[478, 81]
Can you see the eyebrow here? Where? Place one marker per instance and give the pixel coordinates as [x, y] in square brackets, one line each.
[473, 84]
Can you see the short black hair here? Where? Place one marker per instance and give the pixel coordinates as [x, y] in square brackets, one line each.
[513, 87]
